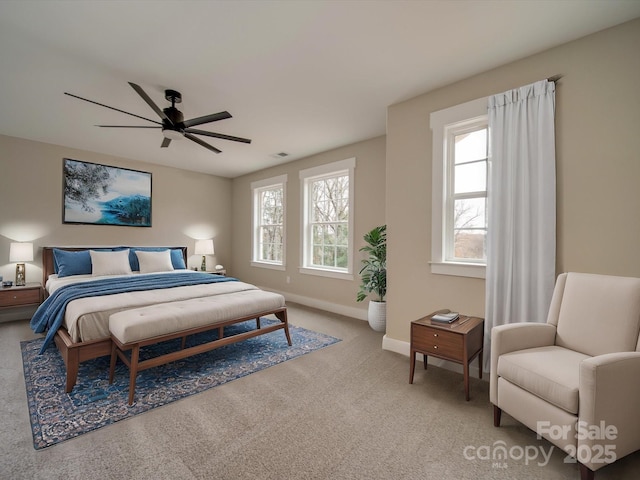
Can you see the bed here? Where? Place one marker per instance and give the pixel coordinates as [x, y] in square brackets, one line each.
[83, 331]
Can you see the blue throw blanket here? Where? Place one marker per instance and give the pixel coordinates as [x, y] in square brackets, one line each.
[50, 314]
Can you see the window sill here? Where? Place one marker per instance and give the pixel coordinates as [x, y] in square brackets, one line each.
[272, 266]
[326, 273]
[458, 269]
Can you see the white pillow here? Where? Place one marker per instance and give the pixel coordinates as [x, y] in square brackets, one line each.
[154, 261]
[110, 263]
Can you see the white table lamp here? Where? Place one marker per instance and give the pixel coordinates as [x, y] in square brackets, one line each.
[204, 247]
[21, 252]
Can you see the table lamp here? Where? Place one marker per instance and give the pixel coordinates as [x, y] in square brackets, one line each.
[21, 252]
[204, 247]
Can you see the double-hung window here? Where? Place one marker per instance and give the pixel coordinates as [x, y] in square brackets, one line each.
[460, 168]
[269, 222]
[327, 221]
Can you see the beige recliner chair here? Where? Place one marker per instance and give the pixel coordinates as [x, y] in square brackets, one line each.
[575, 380]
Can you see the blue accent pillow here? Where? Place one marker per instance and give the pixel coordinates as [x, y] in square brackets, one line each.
[177, 260]
[176, 257]
[67, 263]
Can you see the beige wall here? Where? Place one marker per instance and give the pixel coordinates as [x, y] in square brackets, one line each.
[329, 293]
[185, 205]
[598, 170]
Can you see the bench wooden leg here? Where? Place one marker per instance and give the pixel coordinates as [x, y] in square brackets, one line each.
[282, 316]
[112, 364]
[133, 372]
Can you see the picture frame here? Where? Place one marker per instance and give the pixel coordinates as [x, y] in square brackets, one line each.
[96, 194]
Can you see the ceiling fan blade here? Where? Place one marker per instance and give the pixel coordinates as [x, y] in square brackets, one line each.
[126, 126]
[112, 108]
[165, 142]
[217, 135]
[150, 102]
[214, 117]
[200, 142]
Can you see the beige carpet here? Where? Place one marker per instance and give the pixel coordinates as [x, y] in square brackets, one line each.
[343, 412]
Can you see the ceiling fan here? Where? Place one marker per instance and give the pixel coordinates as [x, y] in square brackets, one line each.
[173, 125]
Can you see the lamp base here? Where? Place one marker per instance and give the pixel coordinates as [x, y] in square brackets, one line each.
[203, 267]
[20, 275]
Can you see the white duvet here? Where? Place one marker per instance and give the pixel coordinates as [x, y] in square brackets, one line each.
[88, 318]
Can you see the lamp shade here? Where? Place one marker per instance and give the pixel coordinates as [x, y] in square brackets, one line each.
[204, 247]
[21, 252]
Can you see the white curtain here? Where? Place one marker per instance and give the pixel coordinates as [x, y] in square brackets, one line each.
[521, 239]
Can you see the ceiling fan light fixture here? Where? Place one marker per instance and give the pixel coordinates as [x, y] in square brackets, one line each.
[172, 134]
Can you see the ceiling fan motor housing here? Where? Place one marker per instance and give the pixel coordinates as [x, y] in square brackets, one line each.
[174, 115]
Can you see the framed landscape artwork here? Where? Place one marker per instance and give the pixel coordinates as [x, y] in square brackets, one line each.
[102, 195]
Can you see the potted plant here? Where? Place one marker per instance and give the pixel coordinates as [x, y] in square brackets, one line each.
[374, 277]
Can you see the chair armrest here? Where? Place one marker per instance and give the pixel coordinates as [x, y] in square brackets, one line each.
[609, 401]
[513, 337]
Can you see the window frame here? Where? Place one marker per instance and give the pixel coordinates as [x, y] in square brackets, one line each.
[257, 188]
[443, 123]
[307, 176]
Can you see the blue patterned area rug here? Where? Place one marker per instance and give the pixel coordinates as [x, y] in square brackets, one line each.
[57, 416]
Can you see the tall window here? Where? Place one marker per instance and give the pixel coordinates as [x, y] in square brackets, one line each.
[466, 199]
[269, 222]
[327, 219]
[459, 202]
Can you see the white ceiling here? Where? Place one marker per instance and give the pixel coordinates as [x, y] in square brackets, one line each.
[299, 77]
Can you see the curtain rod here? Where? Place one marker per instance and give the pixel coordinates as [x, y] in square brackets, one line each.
[554, 79]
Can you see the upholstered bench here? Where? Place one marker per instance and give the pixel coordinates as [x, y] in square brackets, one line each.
[132, 329]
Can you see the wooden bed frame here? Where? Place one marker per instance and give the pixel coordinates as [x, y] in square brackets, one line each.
[73, 353]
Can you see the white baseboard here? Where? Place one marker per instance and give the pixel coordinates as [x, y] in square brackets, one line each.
[352, 312]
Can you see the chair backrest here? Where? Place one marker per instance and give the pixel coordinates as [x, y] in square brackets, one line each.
[596, 314]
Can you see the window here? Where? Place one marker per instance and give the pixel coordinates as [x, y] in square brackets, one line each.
[327, 221]
[460, 167]
[269, 222]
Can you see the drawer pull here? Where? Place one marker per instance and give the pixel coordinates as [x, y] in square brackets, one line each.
[435, 347]
[435, 334]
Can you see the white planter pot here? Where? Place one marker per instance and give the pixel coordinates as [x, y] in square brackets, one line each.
[377, 315]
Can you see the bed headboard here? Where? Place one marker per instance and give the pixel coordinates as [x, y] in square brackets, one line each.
[47, 257]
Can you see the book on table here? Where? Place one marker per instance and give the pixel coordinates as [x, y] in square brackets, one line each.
[445, 317]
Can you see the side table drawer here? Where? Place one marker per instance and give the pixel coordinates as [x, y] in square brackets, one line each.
[12, 298]
[438, 342]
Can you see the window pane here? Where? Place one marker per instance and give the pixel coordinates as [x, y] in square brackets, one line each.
[342, 257]
[317, 255]
[329, 255]
[470, 177]
[470, 244]
[471, 146]
[329, 235]
[269, 239]
[469, 213]
[342, 236]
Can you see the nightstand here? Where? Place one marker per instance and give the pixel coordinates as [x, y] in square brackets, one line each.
[222, 272]
[459, 342]
[27, 295]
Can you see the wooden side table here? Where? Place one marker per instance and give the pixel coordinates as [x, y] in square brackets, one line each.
[27, 295]
[459, 342]
[222, 272]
